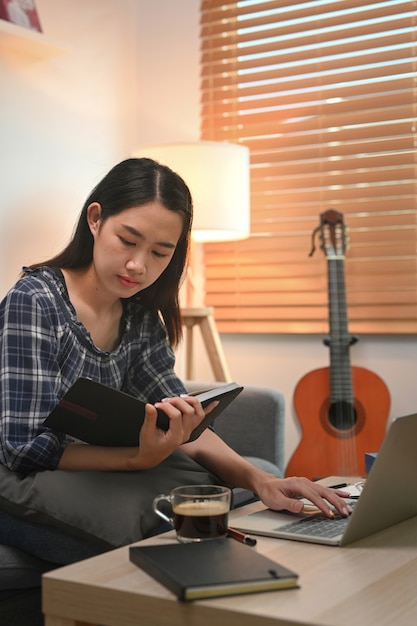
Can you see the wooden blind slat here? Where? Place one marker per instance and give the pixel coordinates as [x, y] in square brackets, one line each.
[214, 63]
[316, 313]
[215, 11]
[291, 326]
[227, 100]
[295, 36]
[354, 69]
[315, 298]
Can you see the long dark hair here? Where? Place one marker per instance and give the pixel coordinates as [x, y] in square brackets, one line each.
[132, 183]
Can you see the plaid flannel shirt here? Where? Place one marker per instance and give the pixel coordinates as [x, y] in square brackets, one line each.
[44, 349]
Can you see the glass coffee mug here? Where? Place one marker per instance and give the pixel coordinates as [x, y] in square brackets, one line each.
[199, 512]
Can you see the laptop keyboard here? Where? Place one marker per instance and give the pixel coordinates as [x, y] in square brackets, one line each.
[318, 526]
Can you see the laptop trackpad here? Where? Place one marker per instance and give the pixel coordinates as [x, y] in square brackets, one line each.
[266, 520]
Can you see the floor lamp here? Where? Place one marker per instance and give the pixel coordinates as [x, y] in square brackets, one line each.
[217, 174]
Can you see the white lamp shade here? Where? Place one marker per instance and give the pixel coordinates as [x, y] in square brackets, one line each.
[217, 175]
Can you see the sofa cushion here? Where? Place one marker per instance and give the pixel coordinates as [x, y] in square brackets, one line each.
[254, 423]
[111, 508]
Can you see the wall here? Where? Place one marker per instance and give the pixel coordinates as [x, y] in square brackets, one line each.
[65, 121]
[130, 78]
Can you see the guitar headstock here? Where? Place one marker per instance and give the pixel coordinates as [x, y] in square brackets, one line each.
[333, 234]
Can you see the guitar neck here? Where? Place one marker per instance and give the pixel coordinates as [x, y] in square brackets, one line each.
[340, 368]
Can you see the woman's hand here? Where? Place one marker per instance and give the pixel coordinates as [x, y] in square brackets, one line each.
[276, 493]
[185, 413]
[285, 493]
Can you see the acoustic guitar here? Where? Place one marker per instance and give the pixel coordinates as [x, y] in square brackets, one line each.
[342, 410]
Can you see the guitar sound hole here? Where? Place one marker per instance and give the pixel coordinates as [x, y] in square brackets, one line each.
[342, 415]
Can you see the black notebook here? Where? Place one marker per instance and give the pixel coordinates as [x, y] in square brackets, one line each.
[225, 567]
[103, 416]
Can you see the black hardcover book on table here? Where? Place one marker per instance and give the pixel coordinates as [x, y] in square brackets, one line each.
[214, 568]
[103, 416]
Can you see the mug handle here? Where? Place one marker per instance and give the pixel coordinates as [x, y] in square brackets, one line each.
[155, 503]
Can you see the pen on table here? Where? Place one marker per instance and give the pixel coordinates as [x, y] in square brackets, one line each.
[242, 537]
[342, 486]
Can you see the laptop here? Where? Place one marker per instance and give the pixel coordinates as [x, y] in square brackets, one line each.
[389, 496]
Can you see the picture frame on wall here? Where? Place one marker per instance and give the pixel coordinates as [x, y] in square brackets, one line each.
[20, 12]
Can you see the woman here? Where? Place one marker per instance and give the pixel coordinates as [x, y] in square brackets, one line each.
[107, 308]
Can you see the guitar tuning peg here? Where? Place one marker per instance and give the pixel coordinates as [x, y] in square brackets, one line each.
[347, 237]
[313, 242]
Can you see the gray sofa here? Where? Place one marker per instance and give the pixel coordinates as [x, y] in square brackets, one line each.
[253, 425]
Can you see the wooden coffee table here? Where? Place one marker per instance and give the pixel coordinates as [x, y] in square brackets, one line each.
[371, 582]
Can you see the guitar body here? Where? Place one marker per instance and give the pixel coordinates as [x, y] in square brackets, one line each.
[327, 448]
[342, 410]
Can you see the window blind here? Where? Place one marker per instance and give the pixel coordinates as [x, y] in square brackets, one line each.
[324, 95]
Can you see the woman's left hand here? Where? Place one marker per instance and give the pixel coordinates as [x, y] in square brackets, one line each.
[185, 413]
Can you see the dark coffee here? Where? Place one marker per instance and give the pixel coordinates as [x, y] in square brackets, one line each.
[201, 520]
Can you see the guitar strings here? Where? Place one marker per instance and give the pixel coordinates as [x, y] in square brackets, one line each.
[342, 397]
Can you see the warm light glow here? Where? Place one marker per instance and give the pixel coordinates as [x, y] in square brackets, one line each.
[218, 177]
